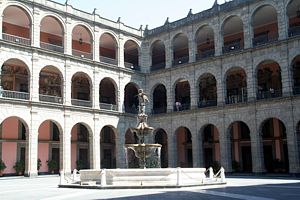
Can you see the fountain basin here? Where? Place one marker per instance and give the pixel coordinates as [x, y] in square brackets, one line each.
[137, 178]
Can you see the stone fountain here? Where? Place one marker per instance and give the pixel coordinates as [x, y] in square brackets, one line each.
[143, 132]
[143, 177]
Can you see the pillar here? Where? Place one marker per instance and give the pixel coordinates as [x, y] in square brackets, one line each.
[66, 140]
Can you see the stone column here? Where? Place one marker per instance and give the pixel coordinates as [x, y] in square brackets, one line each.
[225, 147]
[96, 50]
[121, 51]
[1, 22]
[218, 39]
[96, 144]
[68, 37]
[282, 21]
[145, 56]
[169, 53]
[287, 88]
[32, 147]
[258, 165]
[66, 141]
[196, 150]
[192, 46]
[67, 83]
[251, 74]
[247, 31]
[121, 93]
[293, 149]
[34, 78]
[120, 142]
[194, 96]
[170, 96]
[172, 149]
[220, 85]
[36, 28]
[96, 85]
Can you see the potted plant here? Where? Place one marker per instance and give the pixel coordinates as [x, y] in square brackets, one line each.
[19, 167]
[52, 166]
[2, 167]
[39, 164]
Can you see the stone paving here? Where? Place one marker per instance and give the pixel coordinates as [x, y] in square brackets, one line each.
[256, 188]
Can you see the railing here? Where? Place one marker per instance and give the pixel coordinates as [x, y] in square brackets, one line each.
[182, 107]
[83, 103]
[182, 60]
[205, 54]
[131, 110]
[269, 94]
[52, 99]
[108, 60]
[132, 66]
[234, 46]
[159, 110]
[16, 39]
[158, 66]
[82, 54]
[106, 106]
[233, 99]
[294, 31]
[296, 90]
[52, 47]
[207, 103]
[14, 94]
[265, 39]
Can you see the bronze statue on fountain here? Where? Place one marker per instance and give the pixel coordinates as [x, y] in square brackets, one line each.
[141, 150]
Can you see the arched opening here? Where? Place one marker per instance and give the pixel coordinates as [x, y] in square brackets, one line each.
[161, 137]
[16, 25]
[108, 148]
[13, 136]
[182, 96]
[239, 134]
[269, 80]
[296, 75]
[48, 148]
[158, 55]
[108, 49]
[52, 34]
[184, 147]
[80, 147]
[159, 99]
[15, 79]
[131, 55]
[236, 86]
[207, 91]
[131, 160]
[211, 146]
[275, 150]
[293, 13]
[180, 49]
[264, 25]
[107, 95]
[131, 101]
[205, 42]
[233, 34]
[82, 42]
[50, 85]
[81, 95]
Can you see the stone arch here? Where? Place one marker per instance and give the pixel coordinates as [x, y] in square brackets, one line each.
[159, 97]
[14, 131]
[158, 55]
[180, 47]
[295, 69]
[108, 147]
[239, 136]
[108, 91]
[131, 54]
[130, 98]
[108, 48]
[161, 137]
[85, 95]
[182, 95]
[235, 85]
[209, 137]
[184, 147]
[207, 90]
[205, 41]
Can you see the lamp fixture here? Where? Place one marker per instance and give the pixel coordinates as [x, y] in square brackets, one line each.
[80, 40]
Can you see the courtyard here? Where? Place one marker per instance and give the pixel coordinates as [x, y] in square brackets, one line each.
[259, 188]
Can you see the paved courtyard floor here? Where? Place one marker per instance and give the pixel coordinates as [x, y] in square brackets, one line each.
[255, 188]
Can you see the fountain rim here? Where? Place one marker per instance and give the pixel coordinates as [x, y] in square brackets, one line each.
[143, 145]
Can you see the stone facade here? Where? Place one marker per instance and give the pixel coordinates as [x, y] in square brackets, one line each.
[33, 112]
